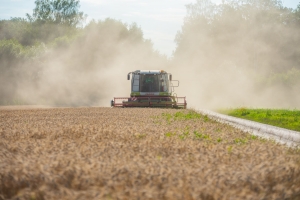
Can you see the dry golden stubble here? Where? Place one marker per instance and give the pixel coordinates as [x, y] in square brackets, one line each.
[104, 153]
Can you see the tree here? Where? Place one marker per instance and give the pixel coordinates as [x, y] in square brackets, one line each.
[64, 12]
[256, 30]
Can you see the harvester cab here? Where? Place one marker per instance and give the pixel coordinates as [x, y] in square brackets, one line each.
[151, 88]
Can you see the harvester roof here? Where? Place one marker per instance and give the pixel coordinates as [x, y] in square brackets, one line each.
[149, 71]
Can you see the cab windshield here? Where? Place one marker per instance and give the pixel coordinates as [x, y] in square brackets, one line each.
[153, 83]
[149, 83]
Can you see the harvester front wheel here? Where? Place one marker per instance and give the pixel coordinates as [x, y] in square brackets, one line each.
[112, 103]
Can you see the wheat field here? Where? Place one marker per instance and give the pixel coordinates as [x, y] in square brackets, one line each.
[139, 153]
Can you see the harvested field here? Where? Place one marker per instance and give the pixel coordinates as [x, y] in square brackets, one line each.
[105, 153]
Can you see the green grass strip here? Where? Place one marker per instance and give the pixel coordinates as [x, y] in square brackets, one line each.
[289, 119]
[182, 115]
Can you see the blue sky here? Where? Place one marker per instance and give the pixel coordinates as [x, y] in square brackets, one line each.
[159, 19]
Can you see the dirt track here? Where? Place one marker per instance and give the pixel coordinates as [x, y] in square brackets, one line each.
[104, 153]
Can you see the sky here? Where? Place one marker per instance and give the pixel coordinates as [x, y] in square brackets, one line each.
[160, 20]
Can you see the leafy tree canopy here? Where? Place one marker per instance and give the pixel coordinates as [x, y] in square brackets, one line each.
[248, 33]
[58, 12]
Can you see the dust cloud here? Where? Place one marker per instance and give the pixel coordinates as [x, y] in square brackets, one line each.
[88, 71]
[239, 55]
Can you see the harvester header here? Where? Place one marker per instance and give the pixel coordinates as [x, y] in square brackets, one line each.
[151, 88]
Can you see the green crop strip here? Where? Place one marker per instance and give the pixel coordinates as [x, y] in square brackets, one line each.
[289, 119]
[183, 116]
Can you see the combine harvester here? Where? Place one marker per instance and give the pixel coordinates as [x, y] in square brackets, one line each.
[151, 88]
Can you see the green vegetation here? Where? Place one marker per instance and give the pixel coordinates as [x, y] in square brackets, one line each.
[198, 135]
[170, 134]
[183, 116]
[240, 141]
[64, 12]
[289, 119]
[229, 149]
[185, 133]
[183, 130]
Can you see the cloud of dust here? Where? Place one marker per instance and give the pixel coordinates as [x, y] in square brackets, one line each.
[93, 69]
[244, 55]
